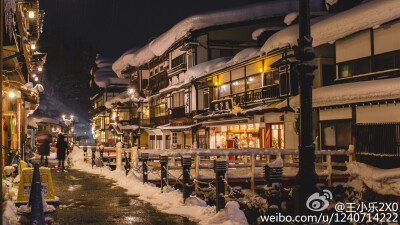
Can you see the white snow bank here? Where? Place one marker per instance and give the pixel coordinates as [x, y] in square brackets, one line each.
[169, 202]
[259, 31]
[10, 213]
[368, 15]
[382, 181]
[231, 215]
[228, 16]
[351, 93]
[193, 200]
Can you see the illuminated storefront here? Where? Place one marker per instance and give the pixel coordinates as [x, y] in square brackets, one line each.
[235, 136]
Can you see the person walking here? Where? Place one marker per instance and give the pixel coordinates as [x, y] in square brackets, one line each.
[61, 150]
[44, 140]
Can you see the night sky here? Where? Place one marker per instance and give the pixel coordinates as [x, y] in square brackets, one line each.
[114, 26]
[76, 30]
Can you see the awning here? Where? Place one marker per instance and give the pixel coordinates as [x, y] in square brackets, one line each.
[153, 131]
[225, 122]
[127, 127]
[184, 127]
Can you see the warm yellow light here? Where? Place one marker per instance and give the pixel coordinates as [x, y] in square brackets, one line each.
[216, 83]
[11, 94]
[33, 46]
[130, 91]
[31, 14]
[72, 117]
[40, 69]
[261, 70]
[63, 116]
[36, 79]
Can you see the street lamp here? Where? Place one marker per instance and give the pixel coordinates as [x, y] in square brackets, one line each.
[132, 92]
[306, 178]
[31, 14]
[68, 122]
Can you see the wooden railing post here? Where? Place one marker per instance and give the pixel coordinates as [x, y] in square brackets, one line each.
[145, 159]
[164, 175]
[196, 171]
[186, 164]
[252, 171]
[329, 168]
[220, 168]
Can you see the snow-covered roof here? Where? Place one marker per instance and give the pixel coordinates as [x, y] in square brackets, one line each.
[251, 12]
[208, 67]
[183, 127]
[331, 28]
[261, 30]
[122, 98]
[355, 92]
[104, 75]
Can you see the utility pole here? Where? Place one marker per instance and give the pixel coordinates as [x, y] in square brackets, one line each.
[1, 104]
[306, 178]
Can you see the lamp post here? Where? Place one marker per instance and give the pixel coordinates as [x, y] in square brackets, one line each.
[306, 177]
[132, 92]
[68, 122]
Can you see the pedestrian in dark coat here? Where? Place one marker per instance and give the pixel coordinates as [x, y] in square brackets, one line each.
[44, 140]
[61, 150]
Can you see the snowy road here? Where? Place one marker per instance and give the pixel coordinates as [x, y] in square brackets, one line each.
[91, 199]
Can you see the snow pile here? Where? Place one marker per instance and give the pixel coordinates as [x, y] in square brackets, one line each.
[104, 75]
[120, 64]
[193, 200]
[205, 68]
[278, 162]
[382, 181]
[259, 31]
[169, 202]
[231, 215]
[10, 213]
[351, 93]
[251, 12]
[289, 18]
[122, 98]
[329, 29]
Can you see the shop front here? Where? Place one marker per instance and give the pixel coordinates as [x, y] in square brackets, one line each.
[236, 136]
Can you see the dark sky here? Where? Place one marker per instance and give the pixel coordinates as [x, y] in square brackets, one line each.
[76, 30]
[114, 26]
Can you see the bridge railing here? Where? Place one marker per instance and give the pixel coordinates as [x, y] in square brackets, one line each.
[245, 159]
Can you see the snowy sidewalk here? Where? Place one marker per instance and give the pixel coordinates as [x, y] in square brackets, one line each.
[170, 201]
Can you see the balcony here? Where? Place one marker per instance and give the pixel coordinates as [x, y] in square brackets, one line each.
[159, 120]
[265, 93]
[177, 112]
[177, 69]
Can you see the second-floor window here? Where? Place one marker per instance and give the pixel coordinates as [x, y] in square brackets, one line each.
[178, 61]
[177, 99]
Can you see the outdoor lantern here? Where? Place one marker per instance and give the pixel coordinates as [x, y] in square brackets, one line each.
[11, 94]
[36, 79]
[40, 69]
[131, 90]
[33, 46]
[261, 70]
[31, 14]
[34, 75]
